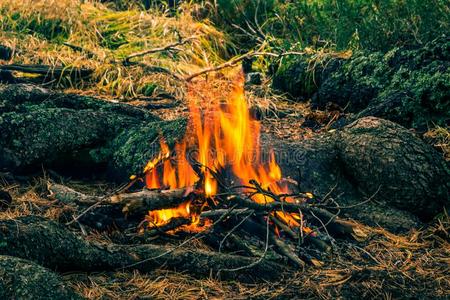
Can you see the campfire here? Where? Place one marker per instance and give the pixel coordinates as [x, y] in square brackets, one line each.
[217, 179]
[219, 158]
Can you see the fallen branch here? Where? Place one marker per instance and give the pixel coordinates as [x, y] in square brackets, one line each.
[136, 203]
[232, 62]
[173, 224]
[47, 70]
[330, 220]
[168, 47]
[139, 203]
[68, 195]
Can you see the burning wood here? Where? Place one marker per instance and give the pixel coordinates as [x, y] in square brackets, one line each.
[215, 179]
[214, 183]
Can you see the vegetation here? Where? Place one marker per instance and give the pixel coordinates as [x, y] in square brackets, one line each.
[342, 24]
[352, 98]
[37, 30]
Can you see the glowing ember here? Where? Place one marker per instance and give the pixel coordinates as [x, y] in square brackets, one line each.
[225, 137]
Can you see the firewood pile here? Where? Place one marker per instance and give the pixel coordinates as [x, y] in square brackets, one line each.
[294, 229]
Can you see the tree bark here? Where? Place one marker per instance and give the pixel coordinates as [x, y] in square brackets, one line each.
[22, 279]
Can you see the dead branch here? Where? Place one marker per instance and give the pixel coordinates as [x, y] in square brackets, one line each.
[173, 224]
[169, 47]
[232, 62]
[50, 71]
[139, 203]
[332, 221]
[68, 195]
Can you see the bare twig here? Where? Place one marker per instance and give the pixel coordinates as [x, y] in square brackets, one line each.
[234, 229]
[232, 62]
[168, 47]
[260, 259]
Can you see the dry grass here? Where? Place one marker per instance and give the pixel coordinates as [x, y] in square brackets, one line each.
[36, 30]
[30, 201]
[439, 137]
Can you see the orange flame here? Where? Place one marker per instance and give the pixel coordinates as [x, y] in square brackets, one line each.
[225, 135]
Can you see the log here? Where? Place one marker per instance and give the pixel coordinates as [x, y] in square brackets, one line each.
[22, 279]
[140, 203]
[67, 195]
[54, 246]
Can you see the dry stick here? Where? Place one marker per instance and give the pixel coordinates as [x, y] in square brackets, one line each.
[100, 201]
[220, 212]
[234, 229]
[357, 204]
[143, 201]
[173, 224]
[171, 46]
[284, 227]
[260, 259]
[283, 248]
[235, 60]
[338, 224]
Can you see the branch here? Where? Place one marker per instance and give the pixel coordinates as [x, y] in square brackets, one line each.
[139, 203]
[232, 62]
[46, 70]
[168, 47]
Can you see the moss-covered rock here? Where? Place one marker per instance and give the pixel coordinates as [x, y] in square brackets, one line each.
[134, 147]
[408, 86]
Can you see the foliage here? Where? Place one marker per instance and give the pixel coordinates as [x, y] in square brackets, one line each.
[416, 82]
[375, 25]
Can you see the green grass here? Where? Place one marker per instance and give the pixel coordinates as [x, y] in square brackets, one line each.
[367, 24]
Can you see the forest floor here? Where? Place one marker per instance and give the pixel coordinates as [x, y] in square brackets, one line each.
[379, 264]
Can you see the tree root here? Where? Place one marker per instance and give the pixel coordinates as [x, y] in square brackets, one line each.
[52, 245]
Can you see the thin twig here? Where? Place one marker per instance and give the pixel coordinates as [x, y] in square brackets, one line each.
[232, 62]
[172, 46]
[234, 229]
[260, 259]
